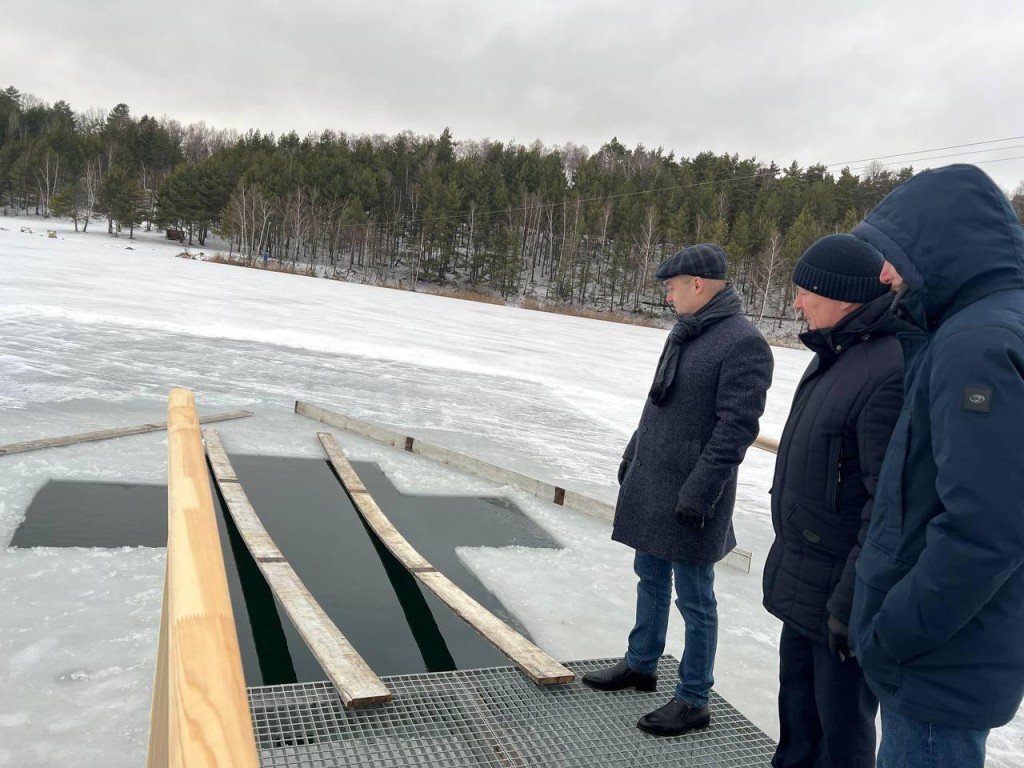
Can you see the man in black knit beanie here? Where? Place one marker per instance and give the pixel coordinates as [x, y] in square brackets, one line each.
[830, 454]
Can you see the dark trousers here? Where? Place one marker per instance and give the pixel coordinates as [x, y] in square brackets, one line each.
[826, 710]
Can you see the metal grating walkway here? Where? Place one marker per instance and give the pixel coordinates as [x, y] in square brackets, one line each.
[492, 717]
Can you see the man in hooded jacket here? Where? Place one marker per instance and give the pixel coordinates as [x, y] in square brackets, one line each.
[678, 477]
[937, 620]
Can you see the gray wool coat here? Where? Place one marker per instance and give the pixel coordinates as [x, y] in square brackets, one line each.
[686, 450]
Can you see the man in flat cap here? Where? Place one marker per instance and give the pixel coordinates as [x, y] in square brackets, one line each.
[678, 481]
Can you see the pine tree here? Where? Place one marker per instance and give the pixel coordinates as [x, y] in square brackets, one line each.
[123, 199]
[65, 204]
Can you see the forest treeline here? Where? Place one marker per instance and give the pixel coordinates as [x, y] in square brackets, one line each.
[557, 224]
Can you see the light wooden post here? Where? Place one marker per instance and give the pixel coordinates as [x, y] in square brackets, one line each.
[207, 708]
[766, 443]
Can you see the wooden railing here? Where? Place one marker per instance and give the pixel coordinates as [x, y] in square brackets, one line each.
[200, 714]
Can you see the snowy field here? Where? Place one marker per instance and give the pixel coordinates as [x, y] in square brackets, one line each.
[94, 335]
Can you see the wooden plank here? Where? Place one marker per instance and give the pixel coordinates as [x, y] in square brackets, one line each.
[257, 540]
[208, 708]
[351, 675]
[218, 458]
[364, 428]
[588, 506]
[106, 434]
[541, 667]
[355, 681]
[739, 559]
[368, 508]
[538, 665]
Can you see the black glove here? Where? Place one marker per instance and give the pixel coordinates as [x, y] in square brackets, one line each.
[839, 639]
[623, 468]
[690, 517]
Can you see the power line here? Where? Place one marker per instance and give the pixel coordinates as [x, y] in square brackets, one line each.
[998, 159]
[934, 149]
[958, 154]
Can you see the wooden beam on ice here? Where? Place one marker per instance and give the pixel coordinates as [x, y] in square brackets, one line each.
[356, 682]
[106, 434]
[442, 455]
[539, 666]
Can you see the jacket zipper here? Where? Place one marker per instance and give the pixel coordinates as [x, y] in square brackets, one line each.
[839, 482]
[835, 455]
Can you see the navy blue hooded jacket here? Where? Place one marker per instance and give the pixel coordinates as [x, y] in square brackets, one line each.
[938, 611]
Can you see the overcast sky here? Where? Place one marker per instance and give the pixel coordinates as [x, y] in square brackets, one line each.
[808, 81]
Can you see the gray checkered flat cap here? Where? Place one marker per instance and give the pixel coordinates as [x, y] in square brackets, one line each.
[705, 260]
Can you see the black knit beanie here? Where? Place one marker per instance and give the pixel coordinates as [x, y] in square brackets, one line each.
[841, 267]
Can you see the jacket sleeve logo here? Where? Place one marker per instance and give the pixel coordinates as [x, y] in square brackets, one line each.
[978, 399]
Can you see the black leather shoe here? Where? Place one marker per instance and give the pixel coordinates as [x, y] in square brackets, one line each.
[674, 719]
[621, 676]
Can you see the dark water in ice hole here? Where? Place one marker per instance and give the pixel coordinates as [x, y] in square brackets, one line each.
[397, 626]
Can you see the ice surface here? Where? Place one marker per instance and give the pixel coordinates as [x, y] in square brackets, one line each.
[93, 335]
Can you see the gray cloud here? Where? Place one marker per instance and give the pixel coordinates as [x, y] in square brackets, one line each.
[808, 80]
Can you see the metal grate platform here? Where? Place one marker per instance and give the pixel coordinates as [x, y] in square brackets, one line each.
[492, 717]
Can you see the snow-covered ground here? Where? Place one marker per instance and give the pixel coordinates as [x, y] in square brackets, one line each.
[94, 335]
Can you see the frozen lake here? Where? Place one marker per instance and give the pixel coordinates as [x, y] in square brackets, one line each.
[94, 335]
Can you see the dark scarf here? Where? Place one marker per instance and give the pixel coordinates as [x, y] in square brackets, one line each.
[725, 303]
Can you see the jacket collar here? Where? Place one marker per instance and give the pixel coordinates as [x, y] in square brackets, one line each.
[876, 318]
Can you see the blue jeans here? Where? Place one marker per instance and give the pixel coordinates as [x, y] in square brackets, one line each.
[908, 743]
[695, 591]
